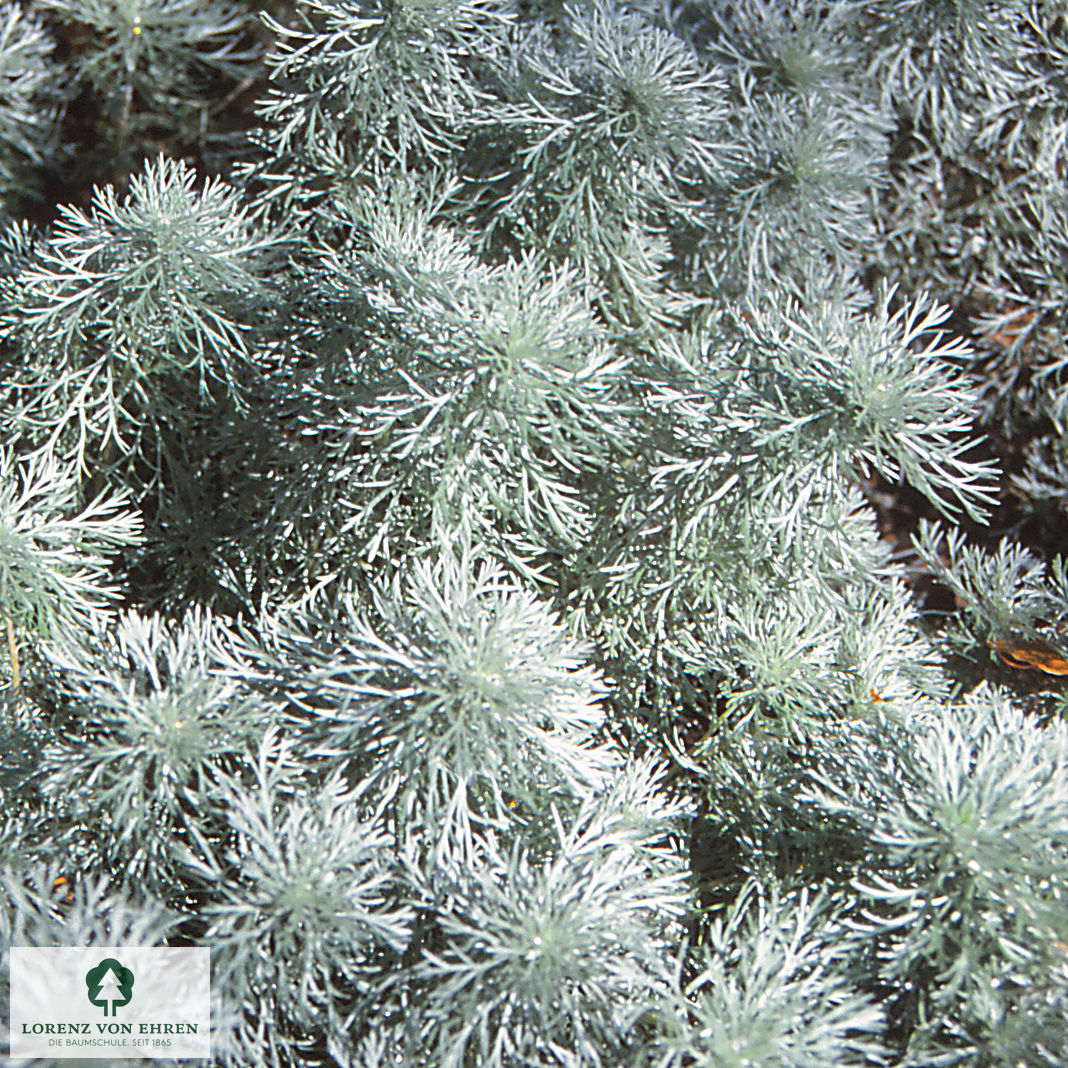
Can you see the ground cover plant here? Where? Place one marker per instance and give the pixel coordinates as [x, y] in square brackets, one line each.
[536, 529]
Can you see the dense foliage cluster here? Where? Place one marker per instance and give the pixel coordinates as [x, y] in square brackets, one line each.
[459, 466]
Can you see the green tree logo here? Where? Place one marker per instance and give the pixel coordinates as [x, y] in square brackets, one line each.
[109, 983]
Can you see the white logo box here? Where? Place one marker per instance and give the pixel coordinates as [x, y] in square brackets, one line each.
[110, 1001]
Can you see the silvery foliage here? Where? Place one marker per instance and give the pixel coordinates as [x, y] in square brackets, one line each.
[771, 992]
[124, 299]
[56, 552]
[147, 61]
[154, 724]
[466, 707]
[32, 84]
[960, 908]
[517, 393]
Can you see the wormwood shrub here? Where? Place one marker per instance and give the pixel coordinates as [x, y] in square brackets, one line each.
[445, 562]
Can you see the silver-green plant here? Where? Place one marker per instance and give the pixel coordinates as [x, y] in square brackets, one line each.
[31, 95]
[150, 63]
[608, 123]
[771, 992]
[465, 709]
[55, 553]
[128, 296]
[520, 662]
[477, 396]
[369, 83]
[154, 727]
[552, 961]
[305, 918]
[960, 910]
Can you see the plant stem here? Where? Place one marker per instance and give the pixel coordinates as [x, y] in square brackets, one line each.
[14, 653]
